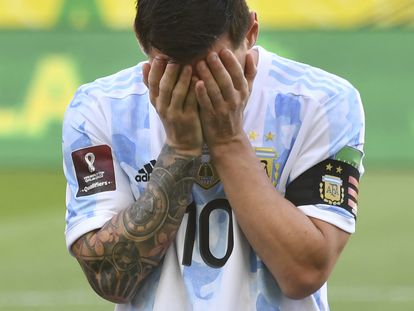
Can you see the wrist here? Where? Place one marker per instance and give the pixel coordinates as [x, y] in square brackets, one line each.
[179, 163]
[232, 148]
[184, 151]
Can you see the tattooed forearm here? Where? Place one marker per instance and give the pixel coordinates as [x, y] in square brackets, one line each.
[119, 256]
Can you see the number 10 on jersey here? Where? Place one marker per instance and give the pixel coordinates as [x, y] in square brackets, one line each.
[204, 233]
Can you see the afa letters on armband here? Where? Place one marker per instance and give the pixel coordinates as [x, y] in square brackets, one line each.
[332, 182]
[94, 170]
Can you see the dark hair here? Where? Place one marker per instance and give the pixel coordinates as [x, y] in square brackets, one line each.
[186, 29]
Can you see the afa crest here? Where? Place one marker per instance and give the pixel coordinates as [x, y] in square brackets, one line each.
[207, 175]
[268, 157]
[330, 182]
[331, 190]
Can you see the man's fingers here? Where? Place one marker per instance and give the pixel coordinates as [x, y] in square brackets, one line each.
[234, 69]
[180, 90]
[154, 76]
[191, 99]
[166, 86]
[221, 75]
[203, 98]
[210, 83]
[250, 70]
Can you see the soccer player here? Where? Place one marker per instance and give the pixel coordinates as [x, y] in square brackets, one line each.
[215, 176]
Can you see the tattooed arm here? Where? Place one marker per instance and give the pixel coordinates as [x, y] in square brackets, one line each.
[117, 258]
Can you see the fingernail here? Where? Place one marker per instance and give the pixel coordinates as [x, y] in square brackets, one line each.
[187, 69]
[226, 52]
[213, 57]
[201, 65]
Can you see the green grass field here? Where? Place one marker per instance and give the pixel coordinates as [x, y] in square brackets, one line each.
[37, 273]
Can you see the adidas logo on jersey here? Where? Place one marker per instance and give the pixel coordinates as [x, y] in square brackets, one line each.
[145, 172]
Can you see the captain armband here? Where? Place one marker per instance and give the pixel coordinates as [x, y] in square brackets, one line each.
[332, 182]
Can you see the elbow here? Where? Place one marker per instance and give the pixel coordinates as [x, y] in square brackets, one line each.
[114, 278]
[301, 286]
[117, 299]
[113, 286]
[299, 291]
[113, 296]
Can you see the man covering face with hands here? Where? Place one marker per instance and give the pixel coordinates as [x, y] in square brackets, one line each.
[225, 176]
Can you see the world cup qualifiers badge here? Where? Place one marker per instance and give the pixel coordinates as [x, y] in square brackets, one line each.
[94, 170]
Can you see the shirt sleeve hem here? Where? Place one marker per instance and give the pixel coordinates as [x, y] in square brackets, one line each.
[347, 224]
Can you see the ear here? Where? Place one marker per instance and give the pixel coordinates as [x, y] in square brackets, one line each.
[253, 31]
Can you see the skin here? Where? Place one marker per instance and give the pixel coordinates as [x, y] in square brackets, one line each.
[204, 101]
[118, 257]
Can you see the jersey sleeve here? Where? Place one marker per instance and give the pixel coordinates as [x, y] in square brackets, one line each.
[97, 188]
[324, 181]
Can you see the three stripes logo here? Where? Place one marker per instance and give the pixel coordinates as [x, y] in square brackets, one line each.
[144, 173]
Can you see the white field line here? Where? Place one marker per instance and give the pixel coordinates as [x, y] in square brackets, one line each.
[398, 294]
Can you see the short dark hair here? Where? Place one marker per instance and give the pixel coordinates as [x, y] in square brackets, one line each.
[186, 29]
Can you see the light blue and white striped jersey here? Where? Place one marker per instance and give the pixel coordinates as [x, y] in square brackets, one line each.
[296, 117]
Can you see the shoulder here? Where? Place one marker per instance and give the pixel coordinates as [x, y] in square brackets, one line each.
[292, 77]
[320, 96]
[94, 97]
[124, 83]
[97, 104]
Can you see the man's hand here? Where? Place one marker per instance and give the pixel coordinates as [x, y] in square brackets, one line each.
[222, 93]
[172, 93]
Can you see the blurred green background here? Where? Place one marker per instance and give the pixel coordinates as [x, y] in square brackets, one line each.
[50, 47]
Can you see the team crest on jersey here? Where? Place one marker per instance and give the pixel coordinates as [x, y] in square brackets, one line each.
[268, 157]
[331, 190]
[207, 175]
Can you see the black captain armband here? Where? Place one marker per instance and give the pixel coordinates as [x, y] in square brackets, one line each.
[330, 182]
